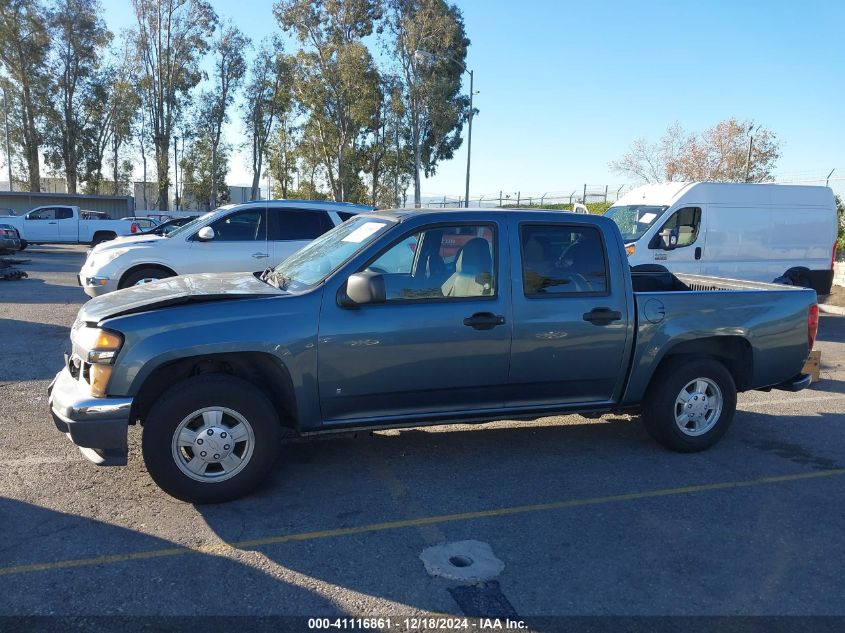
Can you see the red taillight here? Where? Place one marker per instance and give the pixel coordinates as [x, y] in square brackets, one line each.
[134, 228]
[2, 231]
[812, 325]
[833, 257]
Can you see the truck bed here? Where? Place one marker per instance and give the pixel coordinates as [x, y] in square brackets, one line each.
[665, 281]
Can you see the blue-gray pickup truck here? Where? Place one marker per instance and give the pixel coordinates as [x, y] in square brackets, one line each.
[407, 318]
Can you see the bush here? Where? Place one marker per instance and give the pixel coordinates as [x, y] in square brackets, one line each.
[840, 240]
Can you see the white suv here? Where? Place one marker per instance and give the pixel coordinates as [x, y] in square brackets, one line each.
[236, 238]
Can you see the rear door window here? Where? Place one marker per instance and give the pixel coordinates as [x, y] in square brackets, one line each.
[562, 260]
[298, 224]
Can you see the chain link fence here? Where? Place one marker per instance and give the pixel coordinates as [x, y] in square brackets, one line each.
[608, 193]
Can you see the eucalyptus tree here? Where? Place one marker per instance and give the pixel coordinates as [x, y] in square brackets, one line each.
[267, 99]
[172, 37]
[24, 49]
[80, 38]
[336, 82]
[229, 70]
[429, 44]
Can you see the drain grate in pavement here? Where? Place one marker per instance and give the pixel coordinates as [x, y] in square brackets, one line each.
[484, 600]
[468, 561]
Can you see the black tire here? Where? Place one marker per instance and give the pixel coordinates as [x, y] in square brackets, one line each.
[659, 406]
[24, 244]
[143, 273]
[192, 395]
[99, 238]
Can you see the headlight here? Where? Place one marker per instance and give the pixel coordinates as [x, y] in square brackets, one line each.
[101, 348]
[98, 260]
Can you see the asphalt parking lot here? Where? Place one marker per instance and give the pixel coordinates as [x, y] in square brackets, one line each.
[588, 516]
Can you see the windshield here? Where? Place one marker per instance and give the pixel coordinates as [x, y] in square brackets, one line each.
[193, 224]
[319, 259]
[634, 220]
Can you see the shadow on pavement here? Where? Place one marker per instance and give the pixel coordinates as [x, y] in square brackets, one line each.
[831, 328]
[188, 584]
[27, 348]
[34, 290]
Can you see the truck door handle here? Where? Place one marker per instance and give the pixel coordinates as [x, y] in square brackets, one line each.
[260, 255]
[50, 222]
[698, 252]
[602, 316]
[484, 321]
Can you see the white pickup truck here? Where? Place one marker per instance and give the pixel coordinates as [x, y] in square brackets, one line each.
[60, 224]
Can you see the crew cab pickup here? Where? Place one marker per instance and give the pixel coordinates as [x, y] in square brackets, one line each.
[407, 318]
[60, 224]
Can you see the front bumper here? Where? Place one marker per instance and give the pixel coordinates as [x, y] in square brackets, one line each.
[98, 426]
[96, 286]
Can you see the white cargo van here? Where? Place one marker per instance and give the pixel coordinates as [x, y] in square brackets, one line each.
[756, 232]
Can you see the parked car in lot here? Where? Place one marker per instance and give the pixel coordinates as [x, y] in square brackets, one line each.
[144, 224]
[758, 232]
[10, 240]
[59, 224]
[168, 226]
[242, 237]
[382, 323]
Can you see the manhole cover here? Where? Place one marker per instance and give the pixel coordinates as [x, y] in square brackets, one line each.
[463, 560]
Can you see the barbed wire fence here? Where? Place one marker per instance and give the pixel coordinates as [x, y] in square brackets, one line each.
[608, 193]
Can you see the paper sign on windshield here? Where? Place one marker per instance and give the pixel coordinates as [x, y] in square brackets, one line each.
[645, 218]
[362, 232]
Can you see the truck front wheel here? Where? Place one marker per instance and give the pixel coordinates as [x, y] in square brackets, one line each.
[24, 244]
[690, 403]
[211, 438]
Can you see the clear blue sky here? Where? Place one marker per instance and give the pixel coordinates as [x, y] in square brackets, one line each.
[564, 87]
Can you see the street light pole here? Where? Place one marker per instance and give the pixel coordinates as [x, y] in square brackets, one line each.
[176, 171]
[469, 137]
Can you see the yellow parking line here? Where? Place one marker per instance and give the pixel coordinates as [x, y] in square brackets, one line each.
[222, 548]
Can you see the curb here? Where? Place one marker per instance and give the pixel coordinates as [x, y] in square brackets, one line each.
[826, 308]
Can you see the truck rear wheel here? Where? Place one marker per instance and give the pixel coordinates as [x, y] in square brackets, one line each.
[211, 438]
[102, 236]
[690, 404]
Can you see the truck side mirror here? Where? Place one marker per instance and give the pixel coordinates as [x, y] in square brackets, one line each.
[362, 289]
[205, 234]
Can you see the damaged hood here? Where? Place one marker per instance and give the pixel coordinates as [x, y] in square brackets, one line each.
[172, 291]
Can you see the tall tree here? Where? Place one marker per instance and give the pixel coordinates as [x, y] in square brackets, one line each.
[201, 183]
[730, 151]
[24, 47]
[79, 38]
[337, 82]
[282, 156]
[229, 70]
[172, 37]
[429, 43]
[267, 98]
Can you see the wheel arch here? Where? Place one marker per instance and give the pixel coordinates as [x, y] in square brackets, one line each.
[104, 233]
[137, 267]
[734, 352]
[263, 370]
